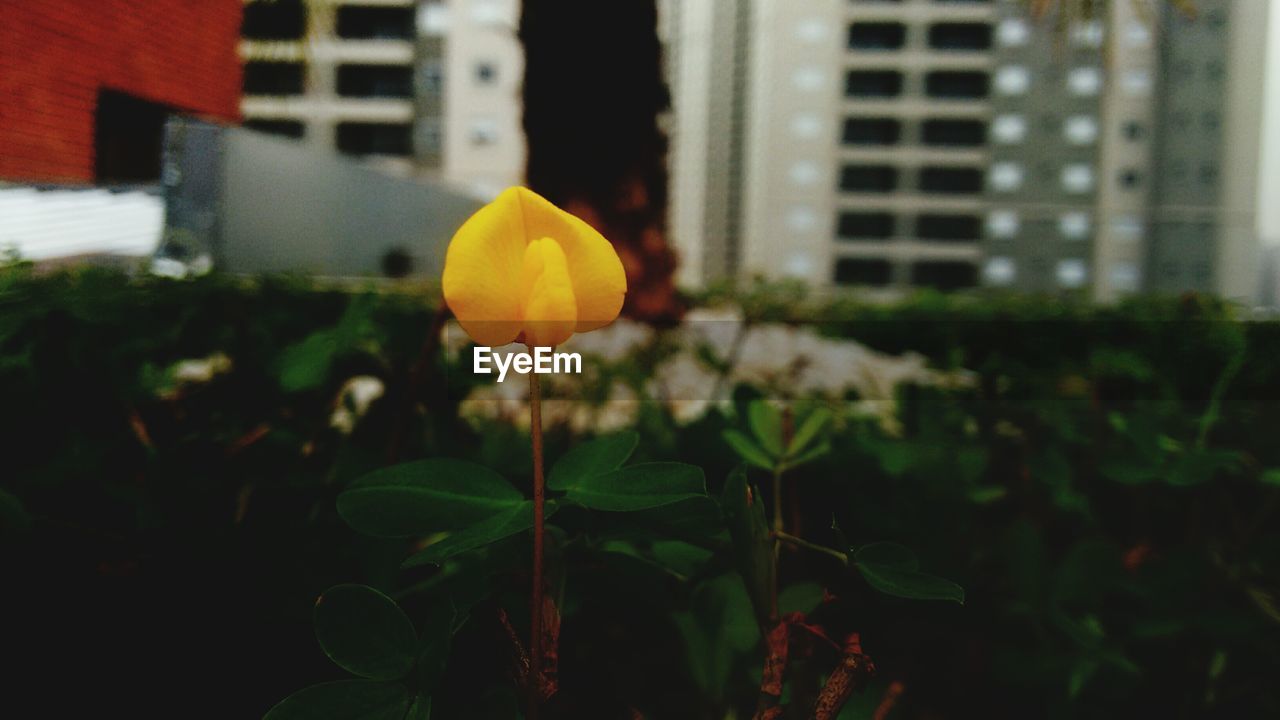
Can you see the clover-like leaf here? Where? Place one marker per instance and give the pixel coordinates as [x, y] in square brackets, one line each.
[503, 525]
[766, 424]
[589, 459]
[426, 496]
[744, 514]
[640, 487]
[365, 632]
[892, 569]
[747, 449]
[345, 700]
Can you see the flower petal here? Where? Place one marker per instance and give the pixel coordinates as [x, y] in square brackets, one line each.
[482, 271]
[550, 311]
[599, 282]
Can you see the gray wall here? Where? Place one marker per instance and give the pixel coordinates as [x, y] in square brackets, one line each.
[283, 207]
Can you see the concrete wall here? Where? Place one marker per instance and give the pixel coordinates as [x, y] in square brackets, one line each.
[281, 207]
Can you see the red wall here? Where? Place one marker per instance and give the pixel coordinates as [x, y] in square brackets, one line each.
[56, 54]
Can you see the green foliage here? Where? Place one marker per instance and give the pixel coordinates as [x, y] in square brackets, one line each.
[365, 632]
[894, 570]
[640, 487]
[597, 457]
[426, 496]
[1103, 481]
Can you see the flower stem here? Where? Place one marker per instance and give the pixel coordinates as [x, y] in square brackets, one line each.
[539, 500]
[802, 543]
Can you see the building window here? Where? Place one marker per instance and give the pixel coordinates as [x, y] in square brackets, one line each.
[1125, 277]
[809, 78]
[1084, 81]
[1009, 129]
[957, 85]
[431, 77]
[361, 22]
[951, 180]
[284, 128]
[944, 274]
[1077, 178]
[954, 133]
[804, 173]
[1088, 34]
[1127, 227]
[1136, 82]
[1071, 273]
[858, 271]
[273, 78]
[1003, 224]
[486, 73]
[1013, 80]
[801, 219]
[949, 227]
[811, 30]
[1006, 176]
[433, 18]
[1130, 179]
[274, 20]
[1013, 32]
[483, 132]
[128, 137]
[1074, 225]
[375, 81]
[877, 36]
[1134, 131]
[999, 271]
[430, 138]
[868, 178]
[1137, 34]
[873, 83]
[360, 138]
[865, 226]
[871, 131]
[1080, 129]
[806, 126]
[963, 37]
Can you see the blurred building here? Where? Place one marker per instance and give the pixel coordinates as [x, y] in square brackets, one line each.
[426, 88]
[953, 144]
[87, 86]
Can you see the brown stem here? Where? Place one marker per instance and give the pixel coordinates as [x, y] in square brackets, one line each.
[849, 676]
[539, 500]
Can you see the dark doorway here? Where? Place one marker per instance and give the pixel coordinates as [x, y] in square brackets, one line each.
[128, 137]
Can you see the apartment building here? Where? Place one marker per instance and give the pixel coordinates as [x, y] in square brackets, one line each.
[956, 143]
[419, 87]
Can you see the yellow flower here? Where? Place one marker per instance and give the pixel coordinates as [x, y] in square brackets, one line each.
[522, 268]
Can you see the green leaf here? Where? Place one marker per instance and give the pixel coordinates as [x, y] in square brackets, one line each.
[639, 487]
[592, 458]
[365, 632]
[743, 512]
[809, 455]
[747, 449]
[766, 424]
[801, 598]
[305, 365]
[425, 496]
[1271, 476]
[808, 430]
[891, 569]
[500, 526]
[420, 710]
[345, 700]
[13, 516]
